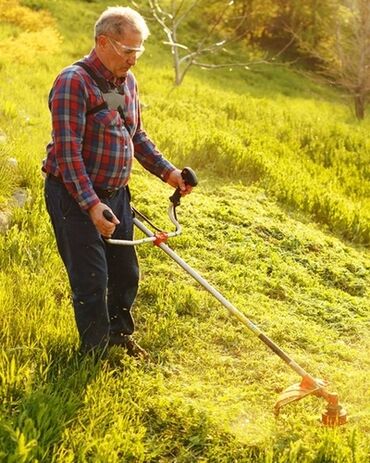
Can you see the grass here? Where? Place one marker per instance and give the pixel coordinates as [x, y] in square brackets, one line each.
[279, 224]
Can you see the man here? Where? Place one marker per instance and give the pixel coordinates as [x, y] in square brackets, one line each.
[96, 132]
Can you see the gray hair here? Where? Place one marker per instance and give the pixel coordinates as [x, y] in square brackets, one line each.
[115, 20]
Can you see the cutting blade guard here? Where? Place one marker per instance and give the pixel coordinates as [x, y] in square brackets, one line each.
[334, 414]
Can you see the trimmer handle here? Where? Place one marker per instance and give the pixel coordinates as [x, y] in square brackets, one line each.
[189, 178]
[108, 215]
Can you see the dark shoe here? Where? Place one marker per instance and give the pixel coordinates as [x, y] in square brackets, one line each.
[133, 349]
[96, 352]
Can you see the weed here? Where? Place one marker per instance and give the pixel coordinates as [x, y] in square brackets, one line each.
[284, 181]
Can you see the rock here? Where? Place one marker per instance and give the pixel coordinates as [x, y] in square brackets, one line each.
[4, 222]
[2, 137]
[20, 197]
[12, 162]
[261, 197]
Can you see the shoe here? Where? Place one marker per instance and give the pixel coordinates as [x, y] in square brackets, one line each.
[95, 353]
[133, 349]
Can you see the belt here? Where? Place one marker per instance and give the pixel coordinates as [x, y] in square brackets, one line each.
[53, 178]
[100, 192]
[106, 194]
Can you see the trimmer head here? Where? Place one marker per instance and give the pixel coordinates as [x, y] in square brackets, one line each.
[334, 414]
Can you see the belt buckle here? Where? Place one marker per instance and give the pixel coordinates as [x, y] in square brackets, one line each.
[106, 194]
[111, 193]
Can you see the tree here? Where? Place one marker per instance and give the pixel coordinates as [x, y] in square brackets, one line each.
[342, 49]
[222, 23]
[351, 64]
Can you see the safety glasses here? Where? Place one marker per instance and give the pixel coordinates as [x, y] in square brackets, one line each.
[124, 51]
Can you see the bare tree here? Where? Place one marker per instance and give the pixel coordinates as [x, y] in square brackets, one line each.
[184, 55]
[352, 66]
[344, 54]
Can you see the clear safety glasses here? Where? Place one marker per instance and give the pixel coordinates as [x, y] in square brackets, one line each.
[124, 51]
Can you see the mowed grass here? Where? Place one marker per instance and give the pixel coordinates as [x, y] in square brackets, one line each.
[251, 228]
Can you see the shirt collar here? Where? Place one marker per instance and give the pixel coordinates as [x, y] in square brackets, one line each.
[93, 61]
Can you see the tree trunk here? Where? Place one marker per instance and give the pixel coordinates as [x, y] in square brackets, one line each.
[359, 100]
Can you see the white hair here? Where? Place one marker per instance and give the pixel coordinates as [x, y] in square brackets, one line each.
[115, 20]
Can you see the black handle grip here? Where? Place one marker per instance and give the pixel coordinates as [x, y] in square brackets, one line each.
[108, 215]
[189, 178]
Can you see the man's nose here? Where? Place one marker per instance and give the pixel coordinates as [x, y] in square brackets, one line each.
[132, 59]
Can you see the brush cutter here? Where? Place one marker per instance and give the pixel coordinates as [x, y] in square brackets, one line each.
[334, 414]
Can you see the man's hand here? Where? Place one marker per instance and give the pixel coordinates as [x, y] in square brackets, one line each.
[104, 227]
[175, 180]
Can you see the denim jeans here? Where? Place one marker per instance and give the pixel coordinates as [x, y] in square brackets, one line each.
[104, 278]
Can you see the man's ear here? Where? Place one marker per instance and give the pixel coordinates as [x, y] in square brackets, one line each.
[102, 41]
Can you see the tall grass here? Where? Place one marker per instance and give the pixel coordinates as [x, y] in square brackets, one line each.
[309, 159]
[275, 163]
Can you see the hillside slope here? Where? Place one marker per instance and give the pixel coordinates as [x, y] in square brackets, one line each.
[279, 223]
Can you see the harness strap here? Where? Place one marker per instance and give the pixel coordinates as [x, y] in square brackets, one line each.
[101, 83]
[106, 93]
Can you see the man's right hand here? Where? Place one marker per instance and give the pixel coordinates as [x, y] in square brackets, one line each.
[104, 226]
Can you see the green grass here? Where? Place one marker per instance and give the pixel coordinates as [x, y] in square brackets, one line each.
[278, 224]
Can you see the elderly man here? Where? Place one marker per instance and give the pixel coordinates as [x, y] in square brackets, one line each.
[96, 132]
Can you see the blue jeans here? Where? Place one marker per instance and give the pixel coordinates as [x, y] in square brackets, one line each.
[104, 278]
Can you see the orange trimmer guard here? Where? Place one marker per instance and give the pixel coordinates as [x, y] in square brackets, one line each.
[298, 391]
[333, 415]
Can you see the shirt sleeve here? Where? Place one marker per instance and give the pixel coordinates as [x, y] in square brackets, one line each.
[68, 105]
[146, 152]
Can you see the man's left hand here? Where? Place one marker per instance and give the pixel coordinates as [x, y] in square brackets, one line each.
[175, 180]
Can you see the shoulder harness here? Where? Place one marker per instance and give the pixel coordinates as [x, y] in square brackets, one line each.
[112, 99]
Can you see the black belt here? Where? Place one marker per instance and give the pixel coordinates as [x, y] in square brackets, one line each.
[106, 194]
[101, 193]
[55, 179]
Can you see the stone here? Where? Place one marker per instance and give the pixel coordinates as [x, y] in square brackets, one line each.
[12, 162]
[4, 222]
[20, 197]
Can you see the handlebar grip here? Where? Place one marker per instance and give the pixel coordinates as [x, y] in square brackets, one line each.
[108, 215]
[189, 178]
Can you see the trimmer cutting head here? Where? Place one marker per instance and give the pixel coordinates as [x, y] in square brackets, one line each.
[334, 414]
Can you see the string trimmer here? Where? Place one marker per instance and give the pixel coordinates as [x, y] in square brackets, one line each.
[334, 414]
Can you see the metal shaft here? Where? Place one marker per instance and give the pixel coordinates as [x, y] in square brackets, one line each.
[230, 307]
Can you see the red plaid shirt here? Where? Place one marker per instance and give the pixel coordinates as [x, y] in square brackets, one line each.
[97, 149]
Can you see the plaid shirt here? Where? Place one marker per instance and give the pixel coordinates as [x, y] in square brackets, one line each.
[97, 150]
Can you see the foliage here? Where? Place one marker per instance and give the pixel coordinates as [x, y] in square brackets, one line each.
[22, 17]
[332, 36]
[343, 55]
[308, 19]
[280, 162]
